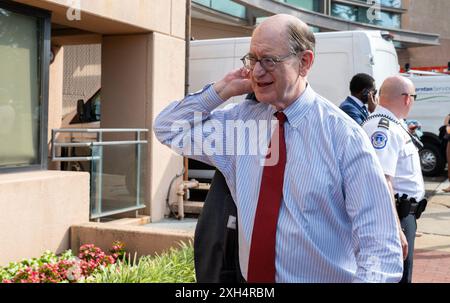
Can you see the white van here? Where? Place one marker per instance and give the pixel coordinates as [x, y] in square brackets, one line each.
[339, 56]
[431, 107]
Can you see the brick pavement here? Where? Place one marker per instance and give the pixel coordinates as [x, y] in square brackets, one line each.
[431, 266]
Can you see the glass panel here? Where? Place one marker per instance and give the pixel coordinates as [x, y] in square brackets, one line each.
[387, 19]
[359, 14]
[392, 3]
[312, 5]
[19, 89]
[229, 7]
[388, 3]
[346, 12]
[203, 2]
[116, 181]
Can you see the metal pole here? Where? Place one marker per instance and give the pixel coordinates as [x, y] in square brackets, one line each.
[187, 38]
[138, 171]
[53, 144]
[98, 206]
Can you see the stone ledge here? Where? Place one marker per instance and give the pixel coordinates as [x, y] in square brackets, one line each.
[137, 239]
[39, 175]
[140, 220]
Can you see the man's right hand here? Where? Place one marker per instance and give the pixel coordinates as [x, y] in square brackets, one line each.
[372, 102]
[235, 83]
[404, 243]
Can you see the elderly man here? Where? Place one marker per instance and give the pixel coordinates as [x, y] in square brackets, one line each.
[310, 209]
[399, 157]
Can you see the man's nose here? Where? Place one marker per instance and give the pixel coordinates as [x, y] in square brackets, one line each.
[258, 70]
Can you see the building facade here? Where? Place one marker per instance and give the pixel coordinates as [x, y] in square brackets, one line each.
[142, 68]
[419, 28]
[428, 16]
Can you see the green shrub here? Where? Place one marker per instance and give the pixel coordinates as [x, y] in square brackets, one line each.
[8, 272]
[94, 266]
[174, 266]
[65, 268]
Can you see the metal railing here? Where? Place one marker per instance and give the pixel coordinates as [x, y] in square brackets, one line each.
[97, 145]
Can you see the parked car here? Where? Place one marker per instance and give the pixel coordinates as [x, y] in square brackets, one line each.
[430, 108]
[432, 155]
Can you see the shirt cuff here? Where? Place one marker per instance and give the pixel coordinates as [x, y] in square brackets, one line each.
[209, 98]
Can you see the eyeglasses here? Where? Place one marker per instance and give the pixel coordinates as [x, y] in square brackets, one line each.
[411, 95]
[268, 63]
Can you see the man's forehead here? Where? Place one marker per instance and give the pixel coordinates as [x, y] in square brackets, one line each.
[265, 45]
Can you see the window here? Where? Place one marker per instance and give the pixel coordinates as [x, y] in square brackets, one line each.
[312, 5]
[225, 6]
[387, 3]
[359, 14]
[23, 91]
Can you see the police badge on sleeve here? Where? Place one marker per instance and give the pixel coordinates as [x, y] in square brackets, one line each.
[379, 140]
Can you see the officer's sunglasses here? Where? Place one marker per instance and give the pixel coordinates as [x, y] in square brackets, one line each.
[411, 95]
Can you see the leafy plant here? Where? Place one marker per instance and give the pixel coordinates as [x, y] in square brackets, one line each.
[94, 266]
[31, 266]
[50, 268]
[174, 266]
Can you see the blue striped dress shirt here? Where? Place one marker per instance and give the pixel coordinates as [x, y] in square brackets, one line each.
[336, 222]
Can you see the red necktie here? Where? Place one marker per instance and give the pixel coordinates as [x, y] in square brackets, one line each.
[261, 264]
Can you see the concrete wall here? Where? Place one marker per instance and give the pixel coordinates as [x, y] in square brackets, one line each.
[428, 16]
[202, 29]
[143, 61]
[55, 99]
[119, 17]
[167, 83]
[139, 239]
[82, 74]
[141, 74]
[37, 211]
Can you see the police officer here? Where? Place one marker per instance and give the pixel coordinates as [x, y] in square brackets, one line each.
[397, 151]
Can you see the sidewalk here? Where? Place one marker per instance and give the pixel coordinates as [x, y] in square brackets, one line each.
[432, 248]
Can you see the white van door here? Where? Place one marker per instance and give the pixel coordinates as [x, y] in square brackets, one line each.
[433, 101]
[333, 67]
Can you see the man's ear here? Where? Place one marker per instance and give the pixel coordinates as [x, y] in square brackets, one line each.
[306, 59]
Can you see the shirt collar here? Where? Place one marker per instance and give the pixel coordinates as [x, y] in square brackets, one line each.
[298, 109]
[359, 102]
[384, 111]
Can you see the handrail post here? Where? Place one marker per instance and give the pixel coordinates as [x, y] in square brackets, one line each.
[53, 143]
[100, 173]
[138, 170]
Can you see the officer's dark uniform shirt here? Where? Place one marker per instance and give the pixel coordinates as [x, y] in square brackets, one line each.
[396, 152]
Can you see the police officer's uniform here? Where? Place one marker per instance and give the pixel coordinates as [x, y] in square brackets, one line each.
[399, 158]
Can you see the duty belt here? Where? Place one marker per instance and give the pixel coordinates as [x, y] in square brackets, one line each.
[406, 206]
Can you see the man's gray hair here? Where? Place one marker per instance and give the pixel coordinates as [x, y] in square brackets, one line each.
[300, 38]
